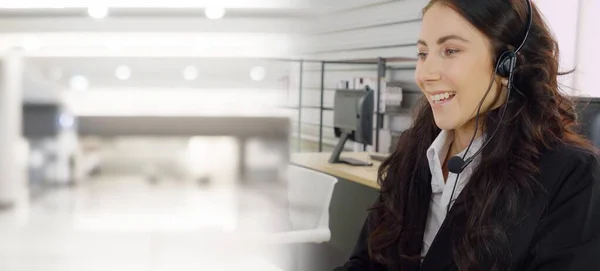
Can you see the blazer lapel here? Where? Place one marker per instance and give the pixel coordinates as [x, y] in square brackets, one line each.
[439, 257]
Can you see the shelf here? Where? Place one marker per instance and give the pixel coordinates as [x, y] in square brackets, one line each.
[318, 88]
[380, 66]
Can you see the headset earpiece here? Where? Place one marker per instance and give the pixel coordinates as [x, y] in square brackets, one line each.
[505, 67]
[508, 60]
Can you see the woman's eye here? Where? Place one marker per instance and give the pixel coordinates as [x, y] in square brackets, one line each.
[422, 55]
[449, 52]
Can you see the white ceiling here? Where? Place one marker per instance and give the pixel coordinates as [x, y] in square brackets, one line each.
[328, 5]
[157, 43]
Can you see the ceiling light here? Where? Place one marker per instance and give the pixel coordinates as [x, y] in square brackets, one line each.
[79, 82]
[258, 73]
[190, 73]
[98, 12]
[123, 72]
[66, 121]
[214, 12]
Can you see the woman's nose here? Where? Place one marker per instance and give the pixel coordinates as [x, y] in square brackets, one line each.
[429, 70]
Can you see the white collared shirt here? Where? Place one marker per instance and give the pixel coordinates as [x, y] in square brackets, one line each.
[441, 191]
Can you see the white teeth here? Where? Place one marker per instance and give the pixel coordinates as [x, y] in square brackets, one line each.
[442, 96]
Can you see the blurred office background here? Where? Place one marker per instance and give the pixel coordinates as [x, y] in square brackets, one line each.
[81, 191]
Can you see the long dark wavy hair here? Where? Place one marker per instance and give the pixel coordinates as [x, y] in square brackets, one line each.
[538, 119]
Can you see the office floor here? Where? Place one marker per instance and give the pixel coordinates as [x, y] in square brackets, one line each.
[126, 223]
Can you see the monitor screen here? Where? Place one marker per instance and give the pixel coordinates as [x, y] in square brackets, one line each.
[353, 115]
[346, 109]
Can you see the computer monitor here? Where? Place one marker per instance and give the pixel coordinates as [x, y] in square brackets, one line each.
[588, 117]
[352, 120]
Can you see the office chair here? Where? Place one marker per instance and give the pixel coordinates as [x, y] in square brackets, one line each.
[594, 131]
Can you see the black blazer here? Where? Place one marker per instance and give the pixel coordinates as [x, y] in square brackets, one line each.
[561, 232]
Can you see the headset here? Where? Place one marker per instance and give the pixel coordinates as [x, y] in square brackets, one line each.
[505, 67]
[509, 60]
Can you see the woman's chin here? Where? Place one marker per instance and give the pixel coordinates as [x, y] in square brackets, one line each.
[444, 124]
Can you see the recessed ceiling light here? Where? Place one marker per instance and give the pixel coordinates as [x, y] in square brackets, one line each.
[190, 73]
[214, 12]
[258, 73]
[98, 12]
[79, 82]
[66, 121]
[123, 72]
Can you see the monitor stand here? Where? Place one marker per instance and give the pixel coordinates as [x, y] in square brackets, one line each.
[335, 155]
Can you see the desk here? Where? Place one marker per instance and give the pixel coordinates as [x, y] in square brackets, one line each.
[319, 161]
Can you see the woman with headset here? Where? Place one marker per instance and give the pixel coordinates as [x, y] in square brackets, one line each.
[491, 175]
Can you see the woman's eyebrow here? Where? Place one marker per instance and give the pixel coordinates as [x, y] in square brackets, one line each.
[444, 39]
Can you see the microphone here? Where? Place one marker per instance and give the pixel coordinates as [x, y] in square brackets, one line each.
[456, 164]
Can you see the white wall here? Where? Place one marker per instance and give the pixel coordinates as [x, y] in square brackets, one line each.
[562, 18]
[588, 57]
[384, 29]
[575, 24]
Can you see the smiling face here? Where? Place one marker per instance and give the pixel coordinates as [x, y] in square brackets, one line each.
[454, 68]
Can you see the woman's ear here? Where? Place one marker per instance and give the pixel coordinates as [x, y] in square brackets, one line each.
[502, 81]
